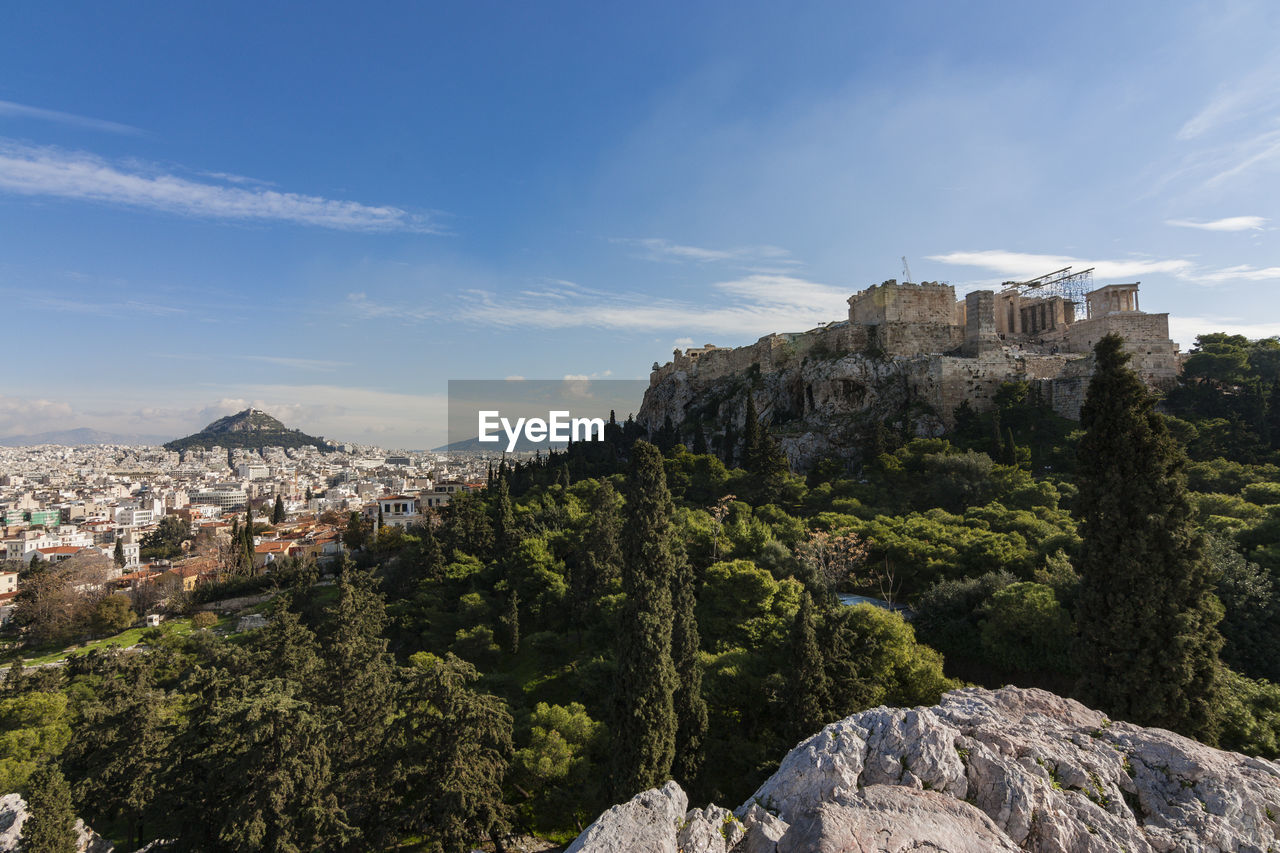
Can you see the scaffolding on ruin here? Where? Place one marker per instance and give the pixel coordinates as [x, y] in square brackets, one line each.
[1070, 286]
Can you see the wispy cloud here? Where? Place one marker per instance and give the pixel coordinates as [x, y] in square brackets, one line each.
[362, 307]
[8, 109]
[659, 249]
[1230, 223]
[1254, 94]
[43, 171]
[1025, 265]
[1243, 272]
[104, 308]
[298, 363]
[751, 306]
[1020, 266]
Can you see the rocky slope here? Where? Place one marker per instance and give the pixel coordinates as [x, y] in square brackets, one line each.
[816, 408]
[983, 770]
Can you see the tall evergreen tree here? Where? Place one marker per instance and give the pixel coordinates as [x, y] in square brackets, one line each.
[690, 707]
[599, 558]
[1009, 452]
[644, 731]
[808, 697]
[1146, 614]
[511, 622]
[504, 518]
[452, 747]
[750, 435]
[699, 438]
[277, 512]
[359, 689]
[51, 824]
[118, 556]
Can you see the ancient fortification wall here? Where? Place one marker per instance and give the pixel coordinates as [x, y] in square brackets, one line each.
[909, 354]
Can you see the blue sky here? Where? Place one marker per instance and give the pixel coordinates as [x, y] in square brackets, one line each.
[328, 211]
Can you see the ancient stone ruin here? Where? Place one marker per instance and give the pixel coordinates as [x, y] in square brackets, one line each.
[912, 353]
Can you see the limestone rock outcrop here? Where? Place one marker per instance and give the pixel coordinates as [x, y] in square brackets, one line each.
[13, 814]
[984, 770]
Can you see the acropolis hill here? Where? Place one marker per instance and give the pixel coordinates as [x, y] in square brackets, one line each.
[907, 356]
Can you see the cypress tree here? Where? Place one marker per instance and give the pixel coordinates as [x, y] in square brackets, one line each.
[750, 436]
[504, 520]
[1145, 612]
[51, 825]
[599, 561]
[691, 708]
[1009, 453]
[645, 717]
[119, 552]
[808, 694]
[277, 512]
[699, 439]
[511, 621]
[309, 495]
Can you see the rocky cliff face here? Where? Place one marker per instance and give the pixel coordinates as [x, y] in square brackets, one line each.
[821, 404]
[984, 770]
[815, 407]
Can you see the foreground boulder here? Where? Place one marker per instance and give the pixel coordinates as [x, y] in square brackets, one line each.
[984, 770]
[13, 814]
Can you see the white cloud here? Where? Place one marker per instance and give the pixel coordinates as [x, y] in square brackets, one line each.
[1025, 265]
[25, 415]
[43, 171]
[659, 249]
[1184, 329]
[1230, 223]
[1243, 272]
[8, 109]
[752, 306]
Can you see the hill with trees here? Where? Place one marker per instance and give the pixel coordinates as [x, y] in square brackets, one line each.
[251, 429]
[636, 610]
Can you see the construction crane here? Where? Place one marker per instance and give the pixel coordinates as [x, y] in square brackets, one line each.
[906, 271]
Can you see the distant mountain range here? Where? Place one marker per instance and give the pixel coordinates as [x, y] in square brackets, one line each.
[251, 429]
[83, 435]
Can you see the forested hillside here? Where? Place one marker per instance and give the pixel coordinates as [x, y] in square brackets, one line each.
[603, 619]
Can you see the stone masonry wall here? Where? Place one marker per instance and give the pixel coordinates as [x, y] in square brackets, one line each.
[890, 302]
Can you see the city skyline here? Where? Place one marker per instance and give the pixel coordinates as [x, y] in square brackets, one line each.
[328, 217]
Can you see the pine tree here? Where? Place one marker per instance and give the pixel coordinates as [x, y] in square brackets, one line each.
[51, 824]
[690, 707]
[808, 696]
[277, 512]
[1146, 614]
[359, 689]
[119, 552]
[645, 719]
